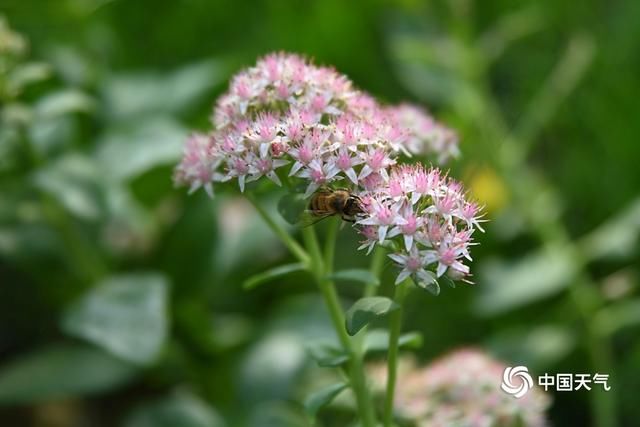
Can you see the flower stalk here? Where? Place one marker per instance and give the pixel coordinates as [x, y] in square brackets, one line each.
[321, 269]
[395, 327]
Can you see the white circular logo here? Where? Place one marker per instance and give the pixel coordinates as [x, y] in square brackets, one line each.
[521, 386]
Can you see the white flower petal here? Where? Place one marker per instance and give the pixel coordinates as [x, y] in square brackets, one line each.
[442, 268]
[400, 259]
[295, 168]
[382, 232]
[273, 177]
[408, 241]
[402, 276]
[351, 174]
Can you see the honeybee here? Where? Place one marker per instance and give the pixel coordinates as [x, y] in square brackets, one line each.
[327, 202]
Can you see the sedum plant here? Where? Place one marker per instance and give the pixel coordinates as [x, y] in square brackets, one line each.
[307, 128]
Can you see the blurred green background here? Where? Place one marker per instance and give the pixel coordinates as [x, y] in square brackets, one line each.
[121, 300]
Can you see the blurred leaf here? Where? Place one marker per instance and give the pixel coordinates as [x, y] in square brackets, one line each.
[63, 102]
[617, 238]
[126, 315]
[432, 287]
[129, 225]
[365, 310]
[270, 369]
[511, 27]
[27, 74]
[129, 96]
[60, 372]
[125, 153]
[271, 274]
[617, 316]
[378, 340]
[323, 397]
[73, 180]
[426, 64]
[278, 414]
[538, 347]
[180, 409]
[363, 276]
[326, 355]
[292, 207]
[244, 235]
[506, 286]
[272, 364]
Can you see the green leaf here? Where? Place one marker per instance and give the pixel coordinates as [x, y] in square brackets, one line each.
[129, 96]
[26, 74]
[363, 311]
[323, 397]
[536, 347]
[128, 152]
[180, 409]
[60, 372]
[74, 182]
[126, 315]
[430, 283]
[506, 286]
[617, 316]
[292, 207]
[355, 275]
[378, 340]
[64, 102]
[268, 275]
[432, 287]
[617, 237]
[327, 356]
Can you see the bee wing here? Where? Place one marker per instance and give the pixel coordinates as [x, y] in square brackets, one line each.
[309, 218]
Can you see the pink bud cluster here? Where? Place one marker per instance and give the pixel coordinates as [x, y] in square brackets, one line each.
[462, 389]
[285, 111]
[427, 220]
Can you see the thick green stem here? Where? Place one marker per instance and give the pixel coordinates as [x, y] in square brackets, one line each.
[293, 246]
[395, 326]
[320, 267]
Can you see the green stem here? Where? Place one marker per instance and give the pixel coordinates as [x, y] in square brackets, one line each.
[395, 326]
[319, 268]
[377, 262]
[293, 246]
[330, 244]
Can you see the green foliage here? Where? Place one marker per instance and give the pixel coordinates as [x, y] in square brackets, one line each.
[271, 274]
[62, 371]
[323, 397]
[367, 309]
[364, 277]
[126, 315]
[377, 340]
[178, 409]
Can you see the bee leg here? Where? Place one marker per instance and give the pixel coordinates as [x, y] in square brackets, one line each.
[347, 219]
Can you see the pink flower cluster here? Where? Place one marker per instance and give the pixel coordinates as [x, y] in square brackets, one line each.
[426, 219]
[461, 389]
[285, 111]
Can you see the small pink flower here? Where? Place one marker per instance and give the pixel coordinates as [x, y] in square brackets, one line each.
[413, 264]
[383, 215]
[375, 160]
[344, 161]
